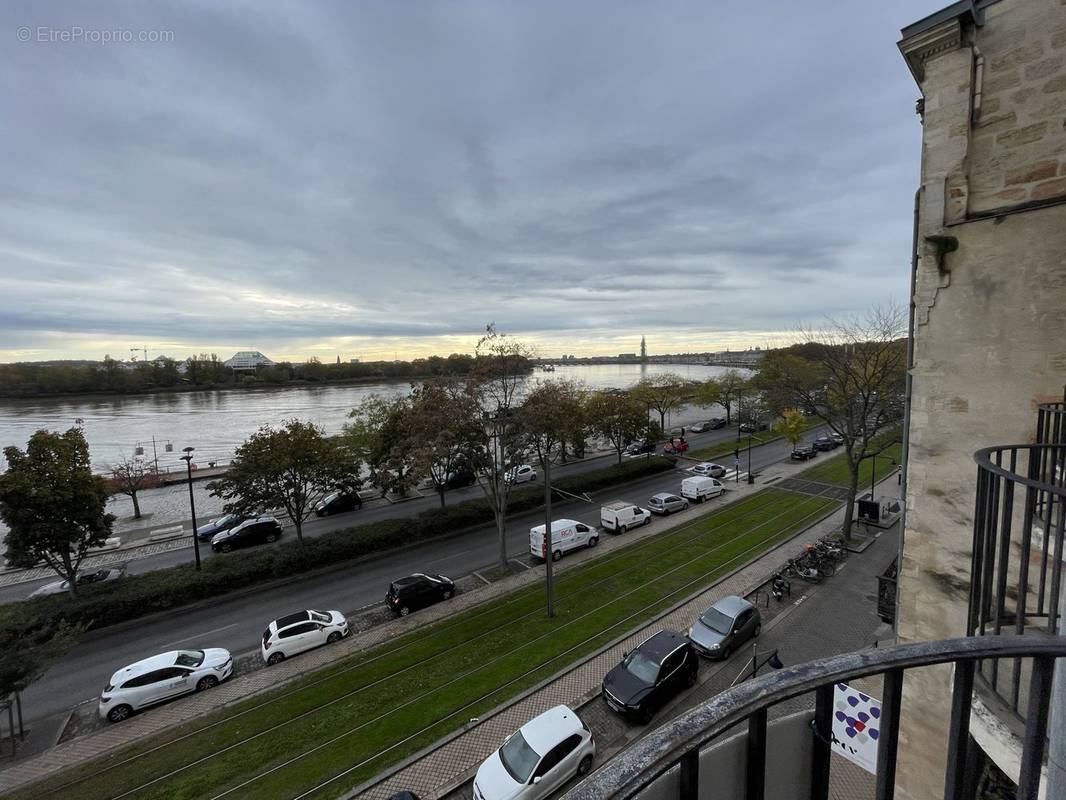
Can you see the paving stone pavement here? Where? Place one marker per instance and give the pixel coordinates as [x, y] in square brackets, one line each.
[435, 773]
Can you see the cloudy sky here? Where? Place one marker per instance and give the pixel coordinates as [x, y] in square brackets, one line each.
[381, 179]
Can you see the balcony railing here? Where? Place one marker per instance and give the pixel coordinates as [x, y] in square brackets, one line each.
[1017, 558]
[675, 760]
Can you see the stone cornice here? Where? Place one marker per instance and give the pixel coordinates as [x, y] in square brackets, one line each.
[922, 46]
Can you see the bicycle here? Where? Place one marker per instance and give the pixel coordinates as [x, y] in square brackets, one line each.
[794, 568]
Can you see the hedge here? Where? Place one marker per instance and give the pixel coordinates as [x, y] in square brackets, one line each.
[164, 589]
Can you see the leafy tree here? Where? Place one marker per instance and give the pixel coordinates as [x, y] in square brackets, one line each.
[732, 387]
[29, 646]
[498, 373]
[130, 476]
[442, 431]
[552, 415]
[617, 418]
[791, 425]
[291, 468]
[379, 435]
[851, 376]
[53, 505]
[663, 393]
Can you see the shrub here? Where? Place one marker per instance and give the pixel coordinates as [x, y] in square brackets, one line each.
[164, 589]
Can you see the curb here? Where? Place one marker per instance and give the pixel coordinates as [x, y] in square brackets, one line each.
[415, 757]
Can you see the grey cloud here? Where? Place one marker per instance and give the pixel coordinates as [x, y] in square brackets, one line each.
[335, 169]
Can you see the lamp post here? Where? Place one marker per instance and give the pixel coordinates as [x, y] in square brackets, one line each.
[187, 458]
[548, 543]
[750, 478]
[873, 475]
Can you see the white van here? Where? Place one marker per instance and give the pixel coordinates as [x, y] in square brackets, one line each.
[619, 516]
[567, 534]
[700, 488]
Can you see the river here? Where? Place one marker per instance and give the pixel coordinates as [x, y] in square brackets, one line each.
[216, 422]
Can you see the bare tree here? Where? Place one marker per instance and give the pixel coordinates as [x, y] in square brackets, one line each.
[732, 387]
[495, 380]
[850, 374]
[130, 476]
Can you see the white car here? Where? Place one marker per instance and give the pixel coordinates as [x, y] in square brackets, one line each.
[161, 677]
[539, 758]
[84, 579]
[520, 474]
[301, 631]
[709, 469]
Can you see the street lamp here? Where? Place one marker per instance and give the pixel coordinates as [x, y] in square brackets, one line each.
[187, 458]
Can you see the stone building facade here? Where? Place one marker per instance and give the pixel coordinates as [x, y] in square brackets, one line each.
[989, 308]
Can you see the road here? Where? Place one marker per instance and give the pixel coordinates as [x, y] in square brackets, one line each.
[237, 623]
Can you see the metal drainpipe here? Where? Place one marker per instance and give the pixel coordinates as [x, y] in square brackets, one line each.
[905, 450]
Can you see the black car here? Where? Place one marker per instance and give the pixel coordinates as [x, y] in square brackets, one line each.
[824, 443]
[337, 503]
[418, 591]
[802, 452]
[716, 423]
[205, 533]
[459, 479]
[636, 448]
[651, 675]
[253, 531]
[754, 427]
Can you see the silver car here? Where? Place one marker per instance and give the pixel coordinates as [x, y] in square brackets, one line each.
[665, 503]
[725, 626]
[84, 578]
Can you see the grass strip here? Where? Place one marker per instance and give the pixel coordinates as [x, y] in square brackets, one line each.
[375, 708]
[834, 470]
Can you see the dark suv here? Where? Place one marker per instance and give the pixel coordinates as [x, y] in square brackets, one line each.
[803, 452]
[418, 591]
[824, 443]
[753, 426]
[252, 531]
[651, 675]
[337, 503]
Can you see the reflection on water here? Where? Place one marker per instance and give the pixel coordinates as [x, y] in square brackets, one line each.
[216, 422]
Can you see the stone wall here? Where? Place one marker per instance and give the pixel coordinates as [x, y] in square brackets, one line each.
[990, 321]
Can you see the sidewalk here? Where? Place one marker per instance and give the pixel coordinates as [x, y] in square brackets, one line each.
[240, 688]
[436, 772]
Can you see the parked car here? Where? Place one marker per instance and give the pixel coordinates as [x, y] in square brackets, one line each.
[205, 533]
[637, 448]
[304, 630]
[718, 422]
[665, 503]
[418, 591]
[459, 479]
[707, 468]
[520, 474]
[649, 676]
[84, 578]
[699, 488]
[677, 431]
[836, 437]
[675, 447]
[754, 426]
[700, 427]
[621, 515]
[153, 680]
[538, 758]
[823, 443]
[803, 452]
[567, 535]
[338, 503]
[252, 531]
[723, 627]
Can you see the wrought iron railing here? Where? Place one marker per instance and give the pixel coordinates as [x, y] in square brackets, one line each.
[679, 743]
[1017, 558]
